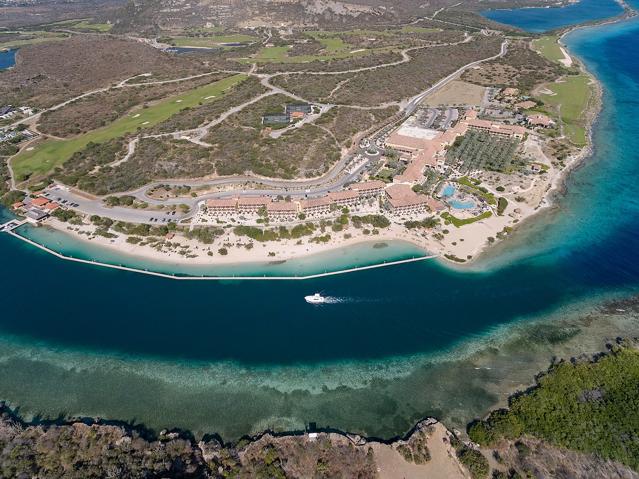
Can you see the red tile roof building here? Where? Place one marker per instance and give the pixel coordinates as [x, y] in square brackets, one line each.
[252, 204]
[222, 206]
[401, 199]
[368, 188]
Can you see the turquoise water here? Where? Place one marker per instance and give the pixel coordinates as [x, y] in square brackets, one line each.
[373, 252]
[544, 19]
[7, 58]
[403, 342]
[448, 191]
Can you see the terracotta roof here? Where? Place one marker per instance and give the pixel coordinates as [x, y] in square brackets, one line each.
[342, 195]
[281, 206]
[254, 201]
[40, 201]
[402, 195]
[368, 185]
[51, 206]
[539, 120]
[17, 205]
[497, 127]
[315, 202]
[221, 202]
[526, 105]
[405, 142]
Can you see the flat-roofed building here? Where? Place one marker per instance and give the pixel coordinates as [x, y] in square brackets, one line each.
[367, 189]
[35, 215]
[344, 198]
[316, 206]
[252, 205]
[221, 206]
[282, 210]
[402, 200]
[405, 144]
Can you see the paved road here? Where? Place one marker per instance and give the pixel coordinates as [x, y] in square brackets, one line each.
[334, 180]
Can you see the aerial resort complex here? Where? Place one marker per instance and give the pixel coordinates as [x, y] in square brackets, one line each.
[317, 239]
[451, 178]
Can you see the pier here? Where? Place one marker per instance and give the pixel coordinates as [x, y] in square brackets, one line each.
[11, 225]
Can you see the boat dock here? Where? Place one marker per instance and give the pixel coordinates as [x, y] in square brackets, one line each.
[11, 225]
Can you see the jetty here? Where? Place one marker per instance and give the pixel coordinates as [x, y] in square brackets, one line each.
[221, 277]
[11, 225]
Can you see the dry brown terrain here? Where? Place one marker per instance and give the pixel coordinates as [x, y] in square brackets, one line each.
[48, 73]
[521, 68]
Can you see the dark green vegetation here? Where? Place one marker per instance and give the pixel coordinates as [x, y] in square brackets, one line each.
[587, 406]
[473, 460]
[521, 68]
[502, 204]
[275, 234]
[458, 223]
[478, 150]
[376, 221]
[425, 223]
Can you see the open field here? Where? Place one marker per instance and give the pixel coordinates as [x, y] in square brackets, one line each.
[51, 153]
[549, 48]
[456, 93]
[572, 95]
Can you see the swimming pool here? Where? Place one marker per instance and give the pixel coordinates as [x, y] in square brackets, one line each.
[449, 192]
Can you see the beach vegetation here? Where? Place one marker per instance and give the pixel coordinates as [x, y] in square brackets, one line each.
[376, 221]
[64, 215]
[430, 222]
[502, 204]
[458, 222]
[472, 459]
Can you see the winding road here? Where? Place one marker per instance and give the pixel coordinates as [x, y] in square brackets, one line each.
[347, 170]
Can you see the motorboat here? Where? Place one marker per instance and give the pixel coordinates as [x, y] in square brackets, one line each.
[315, 299]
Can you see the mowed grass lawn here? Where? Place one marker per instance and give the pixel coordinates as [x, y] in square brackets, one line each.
[549, 48]
[573, 95]
[51, 153]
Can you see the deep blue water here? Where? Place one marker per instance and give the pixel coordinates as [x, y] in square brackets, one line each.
[544, 19]
[587, 248]
[7, 58]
